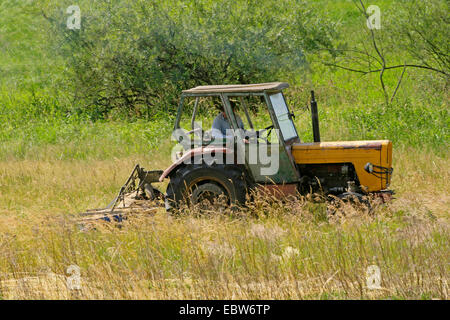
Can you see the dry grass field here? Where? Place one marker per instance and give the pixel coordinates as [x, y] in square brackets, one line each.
[272, 250]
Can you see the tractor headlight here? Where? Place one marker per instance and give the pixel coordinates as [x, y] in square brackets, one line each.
[368, 167]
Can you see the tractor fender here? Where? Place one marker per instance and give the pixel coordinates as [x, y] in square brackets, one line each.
[189, 155]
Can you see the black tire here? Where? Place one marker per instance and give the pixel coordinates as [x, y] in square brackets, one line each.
[229, 179]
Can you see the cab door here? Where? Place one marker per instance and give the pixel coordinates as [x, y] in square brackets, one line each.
[268, 163]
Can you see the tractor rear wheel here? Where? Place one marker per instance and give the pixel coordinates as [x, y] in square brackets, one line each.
[206, 185]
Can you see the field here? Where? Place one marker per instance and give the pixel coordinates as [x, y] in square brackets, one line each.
[53, 166]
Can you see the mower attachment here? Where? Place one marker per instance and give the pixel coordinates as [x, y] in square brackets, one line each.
[143, 186]
[139, 182]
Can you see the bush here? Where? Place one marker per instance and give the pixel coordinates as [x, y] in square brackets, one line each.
[135, 57]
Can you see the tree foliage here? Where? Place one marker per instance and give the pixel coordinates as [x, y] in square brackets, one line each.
[134, 57]
[417, 29]
[422, 29]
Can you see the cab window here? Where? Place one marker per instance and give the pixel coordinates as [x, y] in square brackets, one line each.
[283, 116]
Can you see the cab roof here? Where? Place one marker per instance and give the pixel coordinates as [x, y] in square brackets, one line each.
[239, 88]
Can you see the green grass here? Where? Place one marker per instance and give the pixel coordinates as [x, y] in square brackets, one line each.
[26, 59]
[63, 140]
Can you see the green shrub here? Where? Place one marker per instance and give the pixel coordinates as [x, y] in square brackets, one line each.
[136, 56]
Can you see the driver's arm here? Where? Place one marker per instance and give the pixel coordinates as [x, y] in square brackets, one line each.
[218, 130]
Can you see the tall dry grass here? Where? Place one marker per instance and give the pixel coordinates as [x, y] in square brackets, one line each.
[273, 249]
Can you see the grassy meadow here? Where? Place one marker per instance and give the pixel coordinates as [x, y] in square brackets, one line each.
[55, 163]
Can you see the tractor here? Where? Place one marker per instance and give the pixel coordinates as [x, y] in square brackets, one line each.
[267, 156]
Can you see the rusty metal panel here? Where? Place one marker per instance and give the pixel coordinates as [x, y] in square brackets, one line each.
[278, 190]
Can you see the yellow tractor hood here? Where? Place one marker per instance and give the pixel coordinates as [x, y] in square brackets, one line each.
[358, 153]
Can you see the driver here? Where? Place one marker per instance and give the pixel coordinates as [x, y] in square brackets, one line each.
[221, 124]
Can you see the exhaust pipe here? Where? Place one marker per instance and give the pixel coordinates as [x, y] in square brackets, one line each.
[315, 118]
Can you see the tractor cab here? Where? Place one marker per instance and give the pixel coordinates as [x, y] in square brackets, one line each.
[260, 127]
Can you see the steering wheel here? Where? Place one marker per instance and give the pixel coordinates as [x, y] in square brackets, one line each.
[266, 129]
